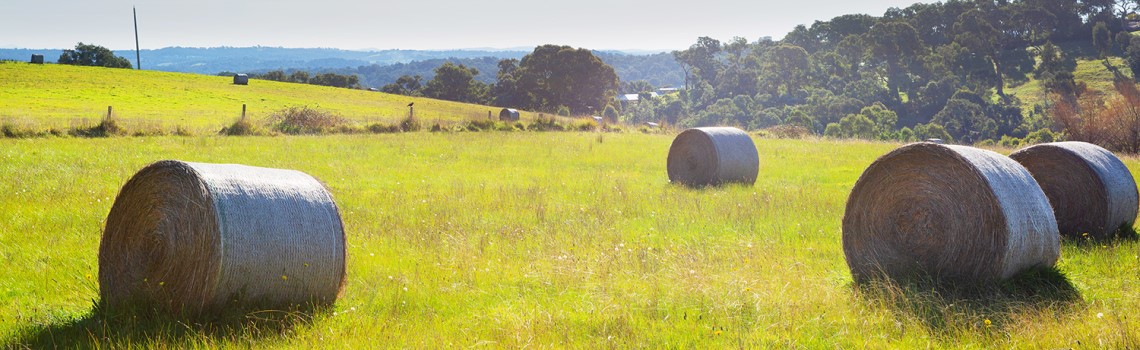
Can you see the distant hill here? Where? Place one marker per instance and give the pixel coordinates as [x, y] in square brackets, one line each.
[375, 68]
[658, 69]
[242, 59]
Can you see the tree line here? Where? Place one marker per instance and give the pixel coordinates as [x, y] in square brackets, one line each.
[552, 78]
[303, 77]
[924, 71]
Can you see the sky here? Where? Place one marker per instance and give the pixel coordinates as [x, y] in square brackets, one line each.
[411, 24]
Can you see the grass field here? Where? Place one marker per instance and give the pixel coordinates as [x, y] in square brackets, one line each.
[539, 240]
[65, 96]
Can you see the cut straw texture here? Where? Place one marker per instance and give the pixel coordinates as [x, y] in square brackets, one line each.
[952, 212]
[1090, 189]
[713, 156]
[193, 237]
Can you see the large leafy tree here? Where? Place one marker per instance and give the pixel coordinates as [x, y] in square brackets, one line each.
[965, 120]
[553, 76]
[506, 90]
[93, 55]
[893, 43]
[976, 31]
[700, 61]
[407, 85]
[786, 66]
[454, 82]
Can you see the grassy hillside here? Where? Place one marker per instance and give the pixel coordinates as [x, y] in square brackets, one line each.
[511, 240]
[1092, 72]
[1089, 69]
[62, 95]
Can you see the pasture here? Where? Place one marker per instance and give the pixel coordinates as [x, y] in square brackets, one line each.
[62, 96]
[540, 240]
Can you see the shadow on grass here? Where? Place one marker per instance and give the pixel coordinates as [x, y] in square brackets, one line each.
[102, 328]
[950, 309]
[1126, 233]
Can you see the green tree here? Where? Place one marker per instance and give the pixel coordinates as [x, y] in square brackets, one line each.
[274, 75]
[406, 85]
[93, 55]
[1102, 39]
[505, 90]
[336, 80]
[1133, 57]
[884, 121]
[976, 34]
[1122, 39]
[299, 77]
[672, 111]
[610, 113]
[854, 126]
[893, 43]
[931, 131]
[787, 66]
[561, 75]
[722, 112]
[454, 82]
[636, 86]
[700, 61]
[966, 121]
[1053, 73]
[1031, 23]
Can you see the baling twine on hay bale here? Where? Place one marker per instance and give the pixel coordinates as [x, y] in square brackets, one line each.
[194, 237]
[1090, 189]
[712, 156]
[953, 212]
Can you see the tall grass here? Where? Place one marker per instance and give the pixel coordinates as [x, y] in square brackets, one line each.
[540, 240]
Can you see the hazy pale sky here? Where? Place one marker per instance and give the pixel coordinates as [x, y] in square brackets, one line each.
[411, 24]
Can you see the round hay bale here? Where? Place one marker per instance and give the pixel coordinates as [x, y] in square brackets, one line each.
[956, 213]
[194, 237]
[712, 156]
[1090, 189]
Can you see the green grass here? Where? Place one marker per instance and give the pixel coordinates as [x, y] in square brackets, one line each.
[542, 240]
[62, 96]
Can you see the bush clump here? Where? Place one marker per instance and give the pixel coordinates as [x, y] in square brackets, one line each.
[544, 123]
[381, 128]
[107, 127]
[242, 127]
[410, 124]
[302, 120]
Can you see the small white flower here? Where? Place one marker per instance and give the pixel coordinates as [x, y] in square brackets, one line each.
[1100, 315]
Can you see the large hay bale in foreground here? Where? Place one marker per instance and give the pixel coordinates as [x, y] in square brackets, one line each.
[713, 156]
[1090, 189]
[193, 237]
[956, 213]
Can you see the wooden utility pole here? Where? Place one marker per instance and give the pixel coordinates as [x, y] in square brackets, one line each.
[138, 61]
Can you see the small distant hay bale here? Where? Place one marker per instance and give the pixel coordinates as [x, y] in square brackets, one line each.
[241, 79]
[193, 238]
[956, 213]
[1090, 189]
[37, 59]
[713, 156]
[509, 115]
